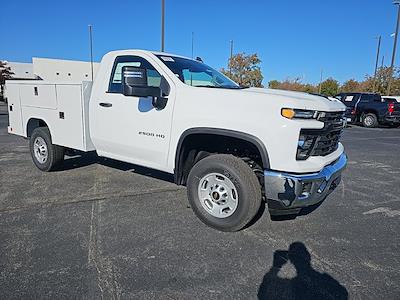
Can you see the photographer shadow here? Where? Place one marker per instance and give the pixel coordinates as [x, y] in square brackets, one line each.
[308, 284]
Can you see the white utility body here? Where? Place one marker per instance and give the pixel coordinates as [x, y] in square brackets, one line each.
[46, 101]
[180, 116]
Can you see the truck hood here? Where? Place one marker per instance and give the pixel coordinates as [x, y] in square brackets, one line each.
[297, 99]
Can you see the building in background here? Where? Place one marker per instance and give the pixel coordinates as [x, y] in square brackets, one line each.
[22, 70]
[54, 70]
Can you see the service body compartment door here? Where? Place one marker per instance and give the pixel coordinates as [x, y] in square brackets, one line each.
[14, 109]
[69, 125]
[39, 95]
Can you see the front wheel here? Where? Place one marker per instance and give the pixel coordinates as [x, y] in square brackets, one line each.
[370, 120]
[45, 155]
[224, 192]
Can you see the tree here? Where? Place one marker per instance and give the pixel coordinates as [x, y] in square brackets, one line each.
[382, 81]
[309, 88]
[292, 85]
[244, 69]
[351, 85]
[329, 87]
[5, 73]
[274, 84]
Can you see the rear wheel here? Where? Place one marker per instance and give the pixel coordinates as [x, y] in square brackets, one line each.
[370, 120]
[45, 155]
[224, 192]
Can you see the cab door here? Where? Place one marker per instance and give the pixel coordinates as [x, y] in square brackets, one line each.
[129, 128]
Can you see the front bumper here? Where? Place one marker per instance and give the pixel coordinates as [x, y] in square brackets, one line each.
[289, 193]
[350, 118]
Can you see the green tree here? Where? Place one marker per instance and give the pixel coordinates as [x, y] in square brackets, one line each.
[274, 84]
[5, 73]
[329, 87]
[309, 88]
[244, 70]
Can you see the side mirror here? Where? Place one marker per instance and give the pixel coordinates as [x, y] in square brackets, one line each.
[134, 83]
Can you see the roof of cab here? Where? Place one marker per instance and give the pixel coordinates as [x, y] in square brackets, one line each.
[125, 51]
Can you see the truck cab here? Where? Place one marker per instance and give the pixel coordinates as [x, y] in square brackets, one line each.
[232, 146]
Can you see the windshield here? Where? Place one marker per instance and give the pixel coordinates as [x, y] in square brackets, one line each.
[196, 73]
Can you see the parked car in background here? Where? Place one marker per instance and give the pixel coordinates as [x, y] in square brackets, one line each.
[391, 98]
[370, 110]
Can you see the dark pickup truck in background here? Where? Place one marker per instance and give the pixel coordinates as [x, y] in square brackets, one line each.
[370, 110]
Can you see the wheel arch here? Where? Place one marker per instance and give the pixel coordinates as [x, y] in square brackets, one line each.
[34, 123]
[370, 111]
[215, 132]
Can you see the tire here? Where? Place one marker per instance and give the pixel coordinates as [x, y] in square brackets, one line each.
[45, 155]
[224, 180]
[370, 120]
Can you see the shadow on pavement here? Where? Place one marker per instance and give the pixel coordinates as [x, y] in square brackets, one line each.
[81, 159]
[303, 212]
[308, 284]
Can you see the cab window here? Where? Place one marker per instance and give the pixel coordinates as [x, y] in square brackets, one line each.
[115, 86]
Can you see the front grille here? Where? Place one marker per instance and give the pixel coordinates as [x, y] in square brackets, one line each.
[332, 120]
[326, 144]
[328, 140]
[325, 140]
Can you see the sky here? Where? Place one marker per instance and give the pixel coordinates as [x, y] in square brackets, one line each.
[292, 38]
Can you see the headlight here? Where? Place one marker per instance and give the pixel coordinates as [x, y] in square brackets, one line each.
[291, 113]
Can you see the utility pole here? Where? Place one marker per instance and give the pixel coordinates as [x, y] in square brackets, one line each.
[383, 60]
[320, 82]
[376, 63]
[230, 59]
[91, 49]
[396, 2]
[162, 24]
[192, 44]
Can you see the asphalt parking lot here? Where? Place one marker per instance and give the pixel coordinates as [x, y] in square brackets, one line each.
[105, 229]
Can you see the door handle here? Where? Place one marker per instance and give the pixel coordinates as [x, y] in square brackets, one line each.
[105, 104]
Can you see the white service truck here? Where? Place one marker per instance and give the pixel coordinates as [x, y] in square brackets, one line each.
[231, 146]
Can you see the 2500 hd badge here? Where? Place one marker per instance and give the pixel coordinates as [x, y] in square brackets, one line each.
[158, 135]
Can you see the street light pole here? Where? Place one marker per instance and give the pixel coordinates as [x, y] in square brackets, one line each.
[230, 59]
[376, 63]
[192, 44]
[162, 24]
[396, 2]
[320, 82]
[91, 49]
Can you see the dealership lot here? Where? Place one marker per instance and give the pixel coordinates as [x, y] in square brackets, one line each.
[105, 228]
